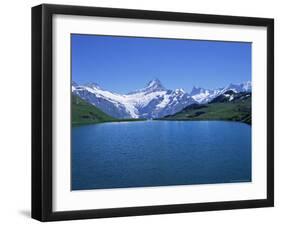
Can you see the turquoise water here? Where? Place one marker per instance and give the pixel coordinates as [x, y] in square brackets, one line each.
[160, 153]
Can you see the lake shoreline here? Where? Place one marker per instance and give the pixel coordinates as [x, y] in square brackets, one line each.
[191, 120]
[158, 119]
[117, 120]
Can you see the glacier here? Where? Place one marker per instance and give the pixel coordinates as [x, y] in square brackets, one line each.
[152, 101]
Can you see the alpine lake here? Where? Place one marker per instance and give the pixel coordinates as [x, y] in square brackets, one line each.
[159, 153]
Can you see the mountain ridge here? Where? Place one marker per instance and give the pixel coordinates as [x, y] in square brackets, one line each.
[228, 106]
[152, 101]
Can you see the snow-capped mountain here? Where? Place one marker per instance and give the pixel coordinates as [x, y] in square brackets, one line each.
[153, 86]
[237, 88]
[153, 101]
[203, 96]
[231, 96]
[150, 102]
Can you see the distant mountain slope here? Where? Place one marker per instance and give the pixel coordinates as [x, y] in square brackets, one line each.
[86, 113]
[228, 106]
[153, 101]
[203, 96]
[83, 112]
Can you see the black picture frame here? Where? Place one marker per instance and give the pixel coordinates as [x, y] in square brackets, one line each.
[42, 111]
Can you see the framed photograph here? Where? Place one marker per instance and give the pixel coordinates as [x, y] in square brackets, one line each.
[145, 112]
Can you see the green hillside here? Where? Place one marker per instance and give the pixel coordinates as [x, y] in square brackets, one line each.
[85, 113]
[238, 109]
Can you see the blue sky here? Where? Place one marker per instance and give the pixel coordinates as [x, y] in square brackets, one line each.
[124, 64]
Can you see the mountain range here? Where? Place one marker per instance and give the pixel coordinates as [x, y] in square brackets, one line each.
[229, 106]
[152, 101]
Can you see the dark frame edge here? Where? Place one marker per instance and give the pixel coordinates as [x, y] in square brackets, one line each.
[41, 110]
[36, 155]
[270, 111]
[162, 209]
[155, 15]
